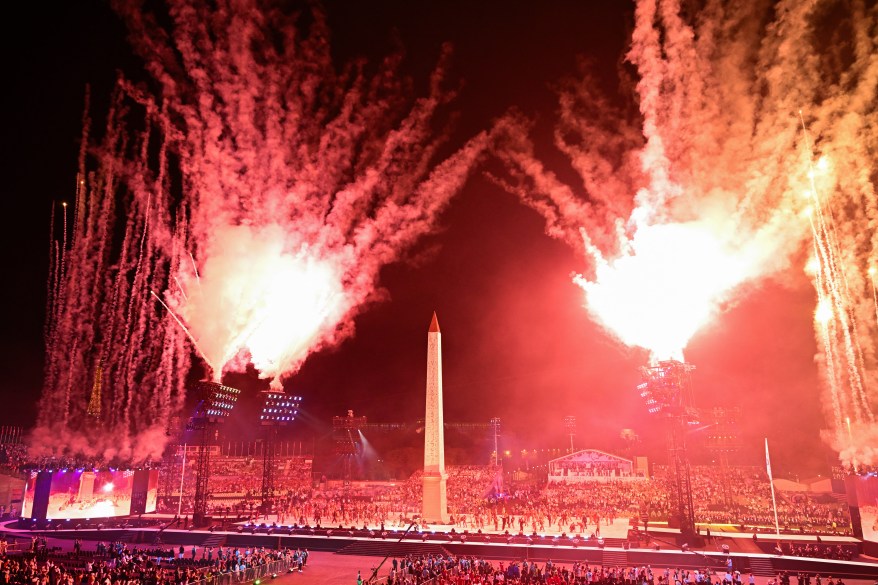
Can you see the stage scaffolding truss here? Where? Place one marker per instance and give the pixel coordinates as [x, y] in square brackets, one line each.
[346, 432]
[215, 403]
[667, 390]
[278, 409]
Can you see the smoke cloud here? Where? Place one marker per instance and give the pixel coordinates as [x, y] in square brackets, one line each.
[259, 189]
[749, 144]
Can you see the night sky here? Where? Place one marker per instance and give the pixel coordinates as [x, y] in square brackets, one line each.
[517, 342]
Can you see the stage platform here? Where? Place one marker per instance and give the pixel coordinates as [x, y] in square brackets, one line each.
[617, 529]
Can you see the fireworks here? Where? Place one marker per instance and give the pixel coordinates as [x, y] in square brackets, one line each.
[301, 182]
[665, 286]
[259, 191]
[256, 298]
[837, 325]
[703, 192]
[242, 203]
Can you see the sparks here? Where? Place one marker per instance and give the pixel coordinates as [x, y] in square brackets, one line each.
[261, 300]
[664, 289]
[823, 313]
[716, 142]
[298, 182]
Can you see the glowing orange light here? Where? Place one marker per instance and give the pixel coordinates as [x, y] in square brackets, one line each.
[664, 289]
[257, 295]
[823, 313]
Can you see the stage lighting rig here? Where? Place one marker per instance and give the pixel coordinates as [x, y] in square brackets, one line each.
[215, 403]
[347, 438]
[570, 426]
[723, 441]
[667, 390]
[278, 409]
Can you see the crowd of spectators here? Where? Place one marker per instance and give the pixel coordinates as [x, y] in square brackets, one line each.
[785, 578]
[116, 563]
[468, 484]
[741, 495]
[373, 506]
[738, 496]
[596, 469]
[235, 486]
[13, 457]
[478, 499]
[441, 570]
[456, 570]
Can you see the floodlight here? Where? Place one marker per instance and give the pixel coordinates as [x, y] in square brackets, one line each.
[279, 408]
[666, 387]
[217, 400]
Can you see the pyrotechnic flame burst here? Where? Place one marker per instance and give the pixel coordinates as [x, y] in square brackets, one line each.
[823, 313]
[258, 190]
[663, 288]
[256, 301]
[719, 147]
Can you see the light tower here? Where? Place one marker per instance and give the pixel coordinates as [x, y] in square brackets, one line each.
[434, 507]
[570, 425]
[723, 441]
[278, 409]
[347, 439]
[215, 403]
[667, 390]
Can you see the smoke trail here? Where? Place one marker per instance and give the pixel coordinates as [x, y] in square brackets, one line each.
[98, 318]
[300, 181]
[716, 181]
[258, 190]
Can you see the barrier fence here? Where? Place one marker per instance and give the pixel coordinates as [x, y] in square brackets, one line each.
[248, 575]
[385, 580]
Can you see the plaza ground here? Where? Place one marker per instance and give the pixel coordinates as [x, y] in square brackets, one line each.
[327, 568]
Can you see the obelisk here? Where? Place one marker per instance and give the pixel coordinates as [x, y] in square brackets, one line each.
[434, 509]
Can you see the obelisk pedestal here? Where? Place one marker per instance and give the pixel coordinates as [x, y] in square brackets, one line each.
[434, 508]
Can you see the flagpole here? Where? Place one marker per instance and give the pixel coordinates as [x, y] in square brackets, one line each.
[182, 475]
[771, 483]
